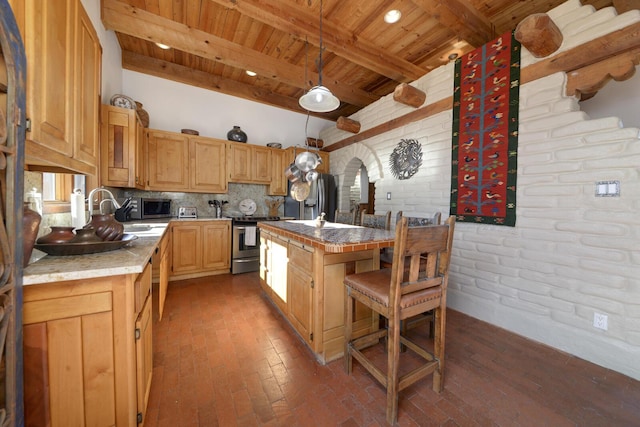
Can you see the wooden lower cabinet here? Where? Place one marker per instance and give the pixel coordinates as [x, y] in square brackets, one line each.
[200, 248]
[162, 270]
[300, 286]
[88, 351]
[310, 293]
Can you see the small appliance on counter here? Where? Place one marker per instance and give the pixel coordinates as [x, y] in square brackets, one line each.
[148, 208]
[187, 212]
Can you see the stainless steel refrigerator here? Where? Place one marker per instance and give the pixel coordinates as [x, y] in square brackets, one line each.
[322, 198]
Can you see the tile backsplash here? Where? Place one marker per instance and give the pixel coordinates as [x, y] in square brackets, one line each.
[237, 193]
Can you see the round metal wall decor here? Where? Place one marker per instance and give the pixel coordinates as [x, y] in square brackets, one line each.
[406, 158]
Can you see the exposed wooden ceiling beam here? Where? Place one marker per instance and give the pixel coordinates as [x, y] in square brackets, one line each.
[135, 22]
[170, 71]
[576, 62]
[462, 18]
[298, 22]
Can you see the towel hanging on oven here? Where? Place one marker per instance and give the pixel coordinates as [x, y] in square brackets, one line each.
[250, 236]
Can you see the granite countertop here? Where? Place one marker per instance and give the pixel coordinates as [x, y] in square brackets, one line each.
[131, 259]
[333, 237]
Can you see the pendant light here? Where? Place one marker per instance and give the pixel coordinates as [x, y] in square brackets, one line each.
[319, 99]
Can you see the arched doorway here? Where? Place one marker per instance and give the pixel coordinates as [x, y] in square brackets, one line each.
[357, 168]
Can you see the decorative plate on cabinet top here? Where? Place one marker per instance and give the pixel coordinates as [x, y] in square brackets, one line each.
[123, 101]
[247, 206]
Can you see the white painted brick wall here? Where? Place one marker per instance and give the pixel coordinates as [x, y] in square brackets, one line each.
[570, 254]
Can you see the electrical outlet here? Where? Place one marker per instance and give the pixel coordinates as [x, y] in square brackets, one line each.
[600, 321]
[389, 195]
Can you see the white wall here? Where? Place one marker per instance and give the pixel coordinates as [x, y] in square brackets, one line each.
[570, 254]
[620, 99]
[174, 106]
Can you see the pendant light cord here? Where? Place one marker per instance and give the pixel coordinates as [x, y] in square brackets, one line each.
[320, 56]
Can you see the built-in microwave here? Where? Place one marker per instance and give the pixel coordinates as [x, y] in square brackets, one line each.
[147, 208]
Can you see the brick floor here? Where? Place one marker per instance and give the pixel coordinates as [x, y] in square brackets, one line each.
[223, 356]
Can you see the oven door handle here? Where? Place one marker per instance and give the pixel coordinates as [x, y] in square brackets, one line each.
[242, 227]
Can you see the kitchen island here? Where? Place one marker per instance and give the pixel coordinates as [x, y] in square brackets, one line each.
[302, 268]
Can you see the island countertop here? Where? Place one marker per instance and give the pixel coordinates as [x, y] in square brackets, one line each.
[333, 237]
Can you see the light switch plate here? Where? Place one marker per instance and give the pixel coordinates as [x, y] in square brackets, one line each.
[608, 189]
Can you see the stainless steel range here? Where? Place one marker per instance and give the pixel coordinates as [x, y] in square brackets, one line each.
[245, 244]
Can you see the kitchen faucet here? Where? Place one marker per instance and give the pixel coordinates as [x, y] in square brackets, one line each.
[111, 199]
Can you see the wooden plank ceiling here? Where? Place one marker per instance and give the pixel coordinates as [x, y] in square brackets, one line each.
[213, 42]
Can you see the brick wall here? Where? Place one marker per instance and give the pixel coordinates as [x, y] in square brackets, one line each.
[571, 254]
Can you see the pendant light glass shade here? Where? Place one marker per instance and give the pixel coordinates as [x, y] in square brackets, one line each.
[319, 100]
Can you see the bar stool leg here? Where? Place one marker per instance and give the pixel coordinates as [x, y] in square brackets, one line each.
[348, 327]
[438, 347]
[393, 361]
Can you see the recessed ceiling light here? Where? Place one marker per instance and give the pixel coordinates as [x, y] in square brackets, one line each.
[392, 16]
[163, 46]
[453, 56]
[251, 73]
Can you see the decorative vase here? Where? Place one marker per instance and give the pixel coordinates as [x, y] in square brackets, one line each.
[106, 226]
[86, 235]
[57, 235]
[30, 225]
[236, 134]
[142, 113]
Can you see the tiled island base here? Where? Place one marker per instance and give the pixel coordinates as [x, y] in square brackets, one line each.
[302, 270]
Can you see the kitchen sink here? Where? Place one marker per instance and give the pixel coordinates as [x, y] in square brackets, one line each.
[136, 228]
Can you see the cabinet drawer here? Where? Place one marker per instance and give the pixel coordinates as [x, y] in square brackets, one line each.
[300, 257]
[142, 287]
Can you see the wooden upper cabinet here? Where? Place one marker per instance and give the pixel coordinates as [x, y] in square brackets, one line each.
[122, 148]
[241, 162]
[141, 156]
[168, 161]
[178, 162]
[324, 166]
[63, 86]
[278, 183]
[208, 165]
[88, 72]
[249, 163]
[261, 164]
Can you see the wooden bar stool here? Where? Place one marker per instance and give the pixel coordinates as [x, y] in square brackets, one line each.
[380, 221]
[397, 294]
[386, 260]
[345, 217]
[386, 255]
